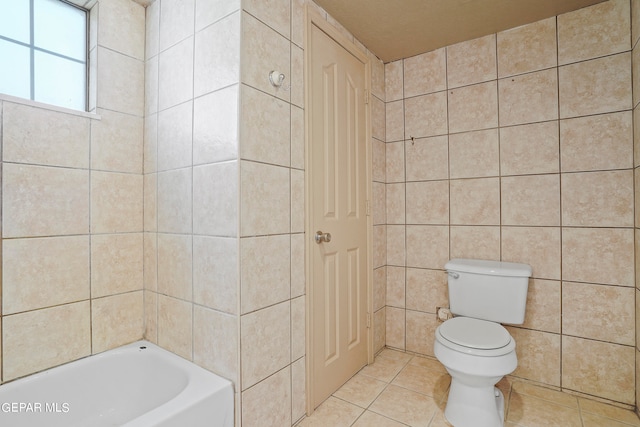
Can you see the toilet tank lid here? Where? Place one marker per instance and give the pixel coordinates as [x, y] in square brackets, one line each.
[494, 268]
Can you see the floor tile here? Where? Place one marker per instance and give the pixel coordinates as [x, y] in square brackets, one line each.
[333, 413]
[361, 390]
[608, 411]
[529, 411]
[406, 406]
[384, 368]
[370, 419]
[425, 381]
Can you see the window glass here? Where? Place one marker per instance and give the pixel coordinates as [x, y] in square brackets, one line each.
[43, 52]
[14, 20]
[52, 90]
[60, 29]
[15, 70]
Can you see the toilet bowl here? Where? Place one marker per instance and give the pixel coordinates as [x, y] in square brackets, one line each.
[474, 347]
[477, 354]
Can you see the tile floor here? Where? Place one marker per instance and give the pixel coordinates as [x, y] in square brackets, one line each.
[401, 389]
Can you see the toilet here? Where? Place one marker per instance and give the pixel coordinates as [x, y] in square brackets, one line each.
[473, 346]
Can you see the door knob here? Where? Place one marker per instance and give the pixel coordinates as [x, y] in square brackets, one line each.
[322, 237]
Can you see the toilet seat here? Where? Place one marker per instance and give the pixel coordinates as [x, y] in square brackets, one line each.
[475, 336]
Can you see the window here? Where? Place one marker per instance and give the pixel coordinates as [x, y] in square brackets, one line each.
[43, 52]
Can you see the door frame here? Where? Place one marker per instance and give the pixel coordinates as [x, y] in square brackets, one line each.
[314, 18]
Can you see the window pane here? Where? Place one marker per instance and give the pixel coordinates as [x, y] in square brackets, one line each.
[14, 20]
[60, 28]
[15, 74]
[60, 81]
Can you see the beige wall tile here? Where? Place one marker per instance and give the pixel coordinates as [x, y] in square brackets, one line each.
[537, 246]
[150, 262]
[379, 288]
[175, 78]
[210, 11]
[269, 402]
[531, 200]
[425, 73]
[479, 242]
[121, 27]
[217, 55]
[265, 273]
[215, 273]
[528, 98]
[116, 142]
[379, 245]
[395, 289]
[120, 82]
[427, 202]
[152, 29]
[175, 210]
[427, 246]
[263, 49]
[543, 310]
[150, 144]
[263, 138]
[116, 320]
[44, 201]
[298, 389]
[609, 262]
[474, 154]
[582, 318]
[635, 21]
[297, 201]
[379, 203]
[393, 124]
[150, 202]
[150, 316]
[378, 118]
[176, 21]
[215, 342]
[116, 202]
[426, 115]
[636, 137]
[395, 203]
[597, 86]
[379, 329]
[635, 70]
[215, 189]
[298, 142]
[426, 290]
[298, 330]
[151, 81]
[471, 62]
[45, 137]
[175, 262]
[598, 199]
[265, 342]
[529, 149]
[61, 334]
[473, 107]
[395, 162]
[175, 326]
[427, 158]
[44, 272]
[597, 142]
[599, 30]
[421, 329]
[475, 201]
[175, 137]
[394, 80]
[395, 327]
[395, 240]
[527, 48]
[116, 263]
[297, 77]
[377, 77]
[298, 281]
[538, 355]
[612, 363]
[264, 199]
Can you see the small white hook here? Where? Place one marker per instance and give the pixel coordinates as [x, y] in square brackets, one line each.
[276, 78]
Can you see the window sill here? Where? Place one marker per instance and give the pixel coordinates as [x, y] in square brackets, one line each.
[36, 104]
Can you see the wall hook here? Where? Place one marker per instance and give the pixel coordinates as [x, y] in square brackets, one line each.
[276, 78]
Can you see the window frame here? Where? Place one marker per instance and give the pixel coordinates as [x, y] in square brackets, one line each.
[33, 49]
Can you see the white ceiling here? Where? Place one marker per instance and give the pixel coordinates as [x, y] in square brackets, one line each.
[395, 29]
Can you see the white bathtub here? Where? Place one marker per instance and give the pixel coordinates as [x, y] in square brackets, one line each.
[137, 385]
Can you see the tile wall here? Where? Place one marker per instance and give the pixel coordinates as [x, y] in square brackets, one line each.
[72, 209]
[224, 196]
[518, 146]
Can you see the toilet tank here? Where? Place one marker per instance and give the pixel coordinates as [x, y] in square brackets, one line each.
[488, 290]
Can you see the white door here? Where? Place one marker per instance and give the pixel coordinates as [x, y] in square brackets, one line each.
[338, 204]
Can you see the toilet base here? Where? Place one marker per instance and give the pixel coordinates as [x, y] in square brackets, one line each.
[474, 406]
